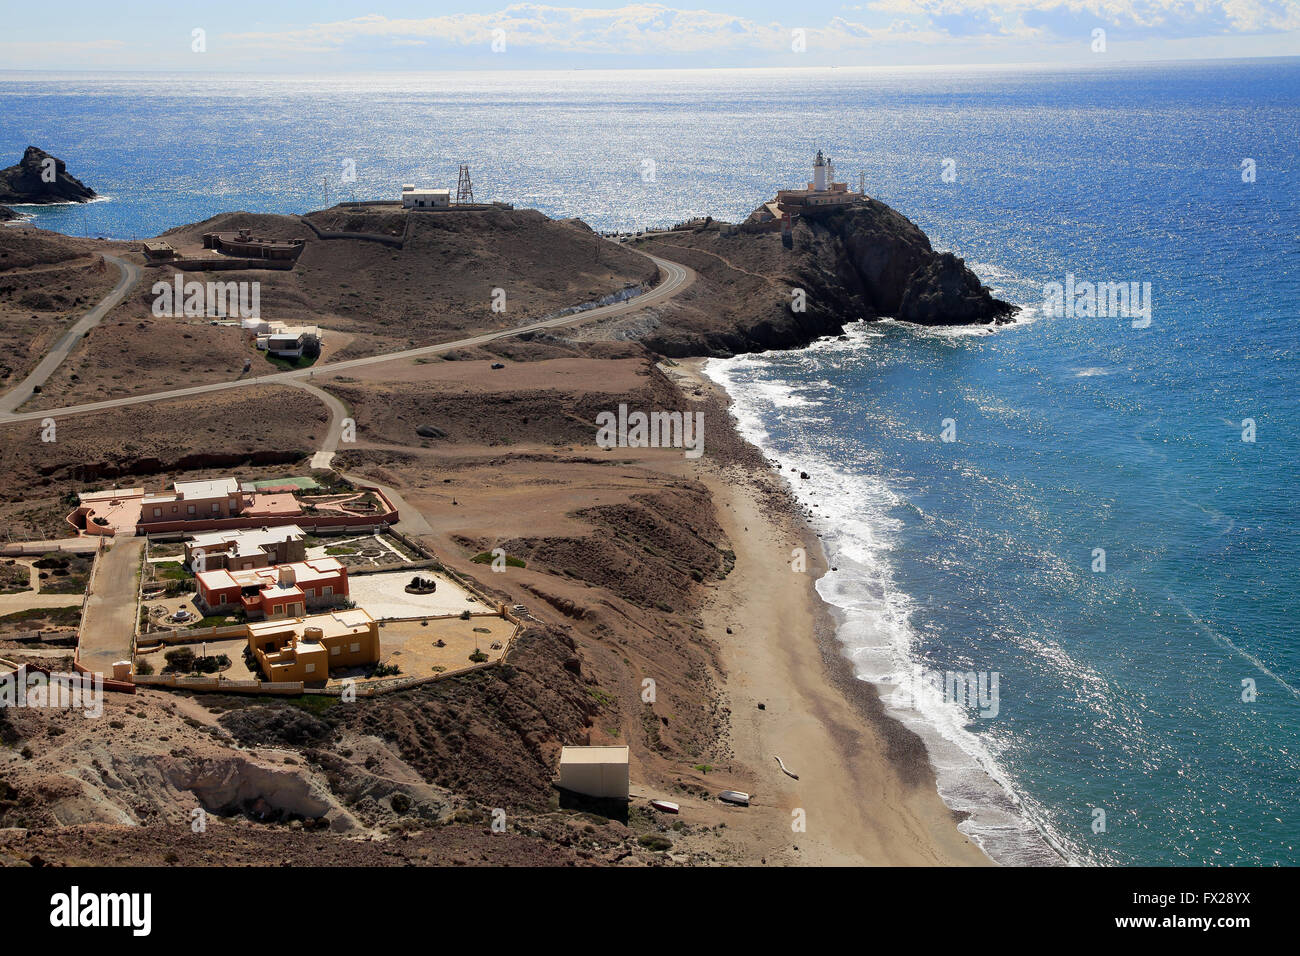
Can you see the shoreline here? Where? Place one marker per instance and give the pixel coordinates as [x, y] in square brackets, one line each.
[993, 816]
[867, 788]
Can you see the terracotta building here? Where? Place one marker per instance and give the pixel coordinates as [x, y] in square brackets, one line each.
[308, 648]
[287, 590]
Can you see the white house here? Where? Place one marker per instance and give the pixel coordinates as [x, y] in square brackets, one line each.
[288, 341]
[413, 198]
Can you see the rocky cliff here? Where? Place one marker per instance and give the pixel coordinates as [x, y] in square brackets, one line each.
[865, 261]
[869, 260]
[41, 178]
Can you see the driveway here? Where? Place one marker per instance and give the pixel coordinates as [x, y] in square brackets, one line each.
[108, 626]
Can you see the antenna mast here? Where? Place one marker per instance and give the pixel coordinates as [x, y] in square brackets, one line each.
[464, 189]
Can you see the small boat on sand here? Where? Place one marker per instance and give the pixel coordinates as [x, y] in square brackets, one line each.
[666, 806]
[738, 797]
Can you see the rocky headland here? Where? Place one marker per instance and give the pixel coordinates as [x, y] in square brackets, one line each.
[41, 178]
[861, 261]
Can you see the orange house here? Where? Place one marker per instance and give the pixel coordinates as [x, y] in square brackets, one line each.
[308, 648]
[286, 590]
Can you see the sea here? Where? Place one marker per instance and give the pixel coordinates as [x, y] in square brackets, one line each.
[1065, 548]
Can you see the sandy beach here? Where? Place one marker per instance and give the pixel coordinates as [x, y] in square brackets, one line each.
[865, 785]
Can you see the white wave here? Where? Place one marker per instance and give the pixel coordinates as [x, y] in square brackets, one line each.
[853, 515]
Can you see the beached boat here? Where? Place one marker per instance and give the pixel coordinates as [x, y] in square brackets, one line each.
[738, 797]
[667, 806]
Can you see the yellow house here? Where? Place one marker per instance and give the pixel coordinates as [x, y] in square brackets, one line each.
[308, 648]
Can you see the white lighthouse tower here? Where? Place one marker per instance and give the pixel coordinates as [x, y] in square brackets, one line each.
[820, 180]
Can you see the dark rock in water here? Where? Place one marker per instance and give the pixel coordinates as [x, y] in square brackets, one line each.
[803, 475]
[945, 292]
[41, 178]
[430, 431]
[7, 214]
[870, 260]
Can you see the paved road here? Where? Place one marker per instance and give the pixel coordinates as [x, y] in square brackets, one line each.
[63, 348]
[324, 456]
[675, 279]
[27, 600]
[108, 627]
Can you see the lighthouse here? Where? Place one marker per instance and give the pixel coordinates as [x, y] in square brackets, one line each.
[820, 179]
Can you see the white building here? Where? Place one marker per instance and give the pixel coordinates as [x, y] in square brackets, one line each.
[413, 198]
[595, 771]
[283, 340]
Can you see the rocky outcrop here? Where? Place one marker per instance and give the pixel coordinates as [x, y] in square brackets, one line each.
[841, 265]
[41, 178]
[870, 261]
[945, 292]
[7, 214]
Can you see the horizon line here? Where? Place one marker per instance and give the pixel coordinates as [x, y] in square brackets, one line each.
[972, 65]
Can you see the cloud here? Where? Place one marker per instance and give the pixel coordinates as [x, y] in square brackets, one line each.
[641, 29]
[1200, 17]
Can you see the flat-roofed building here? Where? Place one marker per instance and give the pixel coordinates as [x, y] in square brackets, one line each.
[308, 648]
[286, 590]
[243, 549]
[158, 251]
[822, 191]
[595, 771]
[286, 341]
[195, 500]
[413, 198]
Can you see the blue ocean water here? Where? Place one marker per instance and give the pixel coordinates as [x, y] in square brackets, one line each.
[1120, 690]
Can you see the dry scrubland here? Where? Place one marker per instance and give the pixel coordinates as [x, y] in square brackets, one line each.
[47, 282]
[144, 444]
[435, 288]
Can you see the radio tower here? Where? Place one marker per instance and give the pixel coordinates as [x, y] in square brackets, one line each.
[464, 189]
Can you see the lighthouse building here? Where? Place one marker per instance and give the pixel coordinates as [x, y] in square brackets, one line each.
[789, 204]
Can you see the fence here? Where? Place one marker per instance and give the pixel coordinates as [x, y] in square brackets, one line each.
[220, 684]
[193, 635]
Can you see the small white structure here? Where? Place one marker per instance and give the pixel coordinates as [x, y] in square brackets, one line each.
[413, 198]
[595, 771]
[286, 341]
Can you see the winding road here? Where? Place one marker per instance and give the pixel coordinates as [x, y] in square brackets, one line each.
[675, 278]
[63, 348]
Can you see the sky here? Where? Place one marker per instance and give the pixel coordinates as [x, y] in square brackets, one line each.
[292, 36]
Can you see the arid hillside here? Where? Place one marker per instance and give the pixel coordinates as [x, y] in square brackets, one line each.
[47, 282]
[370, 297]
[143, 444]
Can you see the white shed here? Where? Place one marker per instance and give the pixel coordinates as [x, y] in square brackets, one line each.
[595, 771]
[426, 198]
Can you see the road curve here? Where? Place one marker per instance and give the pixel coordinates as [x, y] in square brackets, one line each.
[63, 348]
[676, 277]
